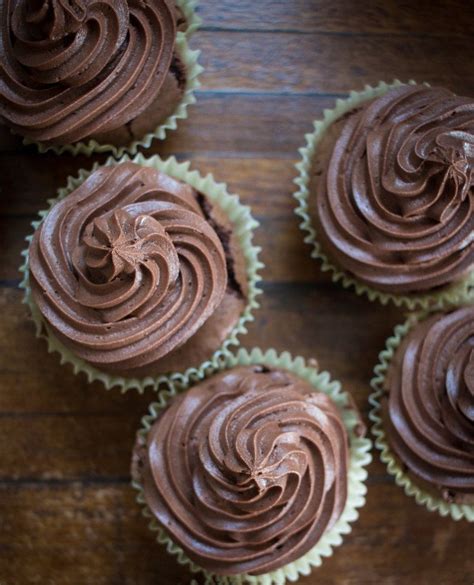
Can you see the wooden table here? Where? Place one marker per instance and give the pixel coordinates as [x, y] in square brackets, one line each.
[67, 511]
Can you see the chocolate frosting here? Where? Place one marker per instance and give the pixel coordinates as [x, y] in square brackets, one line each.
[430, 387]
[246, 470]
[126, 268]
[395, 205]
[73, 68]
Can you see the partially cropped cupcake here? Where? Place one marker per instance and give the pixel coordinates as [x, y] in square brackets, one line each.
[252, 475]
[136, 274]
[387, 193]
[87, 76]
[424, 410]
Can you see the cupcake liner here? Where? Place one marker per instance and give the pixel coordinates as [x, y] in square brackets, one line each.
[193, 70]
[193, 20]
[451, 295]
[432, 502]
[360, 457]
[244, 225]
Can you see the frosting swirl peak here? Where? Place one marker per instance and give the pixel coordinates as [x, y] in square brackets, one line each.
[246, 470]
[127, 268]
[395, 203]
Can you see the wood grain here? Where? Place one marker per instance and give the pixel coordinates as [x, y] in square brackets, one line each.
[283, 63]
[379, 17]
[80, 533]
[67, 512]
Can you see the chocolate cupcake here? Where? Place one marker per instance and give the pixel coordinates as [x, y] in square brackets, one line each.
[424, 410]
[387, 193]
[252, 473]
[94, 76]
[136, 274]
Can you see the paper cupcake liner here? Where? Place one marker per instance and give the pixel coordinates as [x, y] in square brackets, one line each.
[403, 479]
[360, 457]
[193, 20]
[451, 295]
[193, 70]
[244, 225]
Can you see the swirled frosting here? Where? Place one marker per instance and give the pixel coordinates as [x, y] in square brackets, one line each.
[126, 268]
[430, 410]
[395, 202]
[70, 69]
[246, 470]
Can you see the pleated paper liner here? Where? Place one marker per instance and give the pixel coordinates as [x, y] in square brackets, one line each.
[451, 295]
[359, 459]
[244, 225]
[193, 20]
[394, 466]
[193, 70]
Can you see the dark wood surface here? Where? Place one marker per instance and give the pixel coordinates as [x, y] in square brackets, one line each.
[67, 511]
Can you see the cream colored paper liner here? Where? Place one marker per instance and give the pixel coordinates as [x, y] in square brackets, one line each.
[453, 294]
[430, 501]
[360, 457]
[193, 70]
[244, 225]
[193, 20]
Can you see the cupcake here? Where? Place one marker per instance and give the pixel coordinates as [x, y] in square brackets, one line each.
[387, 192]
[137, 274]
[254, 473]
[424, 410]
[96, 75]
